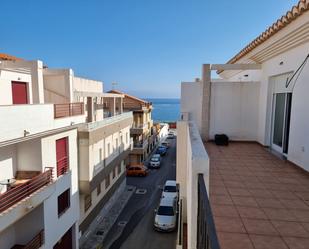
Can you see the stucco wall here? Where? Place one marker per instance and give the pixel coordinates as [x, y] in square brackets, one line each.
[55, 226]
[298, 141]
[17, 234]
[234, 109]
[6, 78]
[191, 101]
[58, 86]
[87, 85]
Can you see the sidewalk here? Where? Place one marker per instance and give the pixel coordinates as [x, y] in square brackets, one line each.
[95, 234]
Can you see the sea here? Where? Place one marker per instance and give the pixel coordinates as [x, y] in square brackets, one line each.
[165, 110]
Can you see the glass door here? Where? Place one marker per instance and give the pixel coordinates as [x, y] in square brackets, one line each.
[281, 121]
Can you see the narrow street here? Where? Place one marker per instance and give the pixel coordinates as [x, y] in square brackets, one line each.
[134, 227]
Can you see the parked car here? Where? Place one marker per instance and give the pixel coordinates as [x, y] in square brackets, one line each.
[170, 190]
[137, 170]
[155, 161]
[161, 150]
[166, 144]
[166, 215]
[170, 135]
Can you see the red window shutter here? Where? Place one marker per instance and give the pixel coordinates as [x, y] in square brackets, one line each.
[62, 155]
[19, 93]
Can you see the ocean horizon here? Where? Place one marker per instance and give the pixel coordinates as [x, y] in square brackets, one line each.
[165, 109]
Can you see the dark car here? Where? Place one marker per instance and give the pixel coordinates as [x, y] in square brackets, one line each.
[161, 150]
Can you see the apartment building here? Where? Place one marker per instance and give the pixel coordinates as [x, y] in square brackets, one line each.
[39, 200]
[252, 193]
[104, 146]
[143, 132]
[64, 145]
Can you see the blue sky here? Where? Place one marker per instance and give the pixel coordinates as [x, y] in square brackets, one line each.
[147, 46]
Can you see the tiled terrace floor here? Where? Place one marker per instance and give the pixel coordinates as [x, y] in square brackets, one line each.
[258, 200]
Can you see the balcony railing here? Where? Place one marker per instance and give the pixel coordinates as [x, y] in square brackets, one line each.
[21, 191]
[206, 232]
[35, 243]
[62, 166]
[68, 109]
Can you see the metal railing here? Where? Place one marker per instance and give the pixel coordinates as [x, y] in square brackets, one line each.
[206, 232]
[36, 242]
[108, 121]
[68, 110]
[18, 193]
[62, 166]
[180, 225]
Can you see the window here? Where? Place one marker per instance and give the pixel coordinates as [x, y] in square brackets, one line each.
[114, 173]
[88, 202]
[99, 189]
[100, 154]
[108, 149]
[107, 182]
[62, 157]
[63, 202]
[116, 143]
[119, 169]
[127, 138]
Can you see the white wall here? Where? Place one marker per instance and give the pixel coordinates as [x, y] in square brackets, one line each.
[32, 118]
[234, 109]
[56, 227]
[191, 101]
[6, 78]
[8, 164]
[192, 159]
[29, 155]
[24, 230]
[58, 85]
[298, 142]
[87, 85]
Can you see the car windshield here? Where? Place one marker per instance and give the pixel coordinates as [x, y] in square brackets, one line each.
[170, 189]
[165, 210]
[155, 159]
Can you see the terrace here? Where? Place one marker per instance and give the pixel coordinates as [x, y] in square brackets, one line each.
[240, 196]
[257, 199]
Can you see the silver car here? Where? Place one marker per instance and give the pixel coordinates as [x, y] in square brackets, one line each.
[155, 161]
[170, 190]
[166, 215]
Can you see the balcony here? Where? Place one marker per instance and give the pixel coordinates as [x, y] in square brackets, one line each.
[138, 129]
[24, 185]
[139, 147]
[20, 121]
[68, 110]
[122, 118]
[35, 243]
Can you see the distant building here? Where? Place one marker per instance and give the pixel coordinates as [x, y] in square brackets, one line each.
[261, 98]
[143, 132]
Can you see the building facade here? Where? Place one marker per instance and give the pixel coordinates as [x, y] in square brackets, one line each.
[64, 146]
[143, 132]
[39, 198]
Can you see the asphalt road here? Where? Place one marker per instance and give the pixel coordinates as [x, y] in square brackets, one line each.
[134, 227]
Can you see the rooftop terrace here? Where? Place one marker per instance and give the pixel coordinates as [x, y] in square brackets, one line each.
[258, 200]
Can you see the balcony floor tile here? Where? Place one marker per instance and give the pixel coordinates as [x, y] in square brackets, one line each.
[258, 200]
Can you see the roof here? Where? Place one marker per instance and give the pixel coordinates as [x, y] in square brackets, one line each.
[129, 96]
[290, 16]
[7, 57]
[167, 201]
[170, 183]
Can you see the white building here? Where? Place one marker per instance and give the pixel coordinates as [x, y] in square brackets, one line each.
[260, 97]
[63, 146]
[39, 200]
